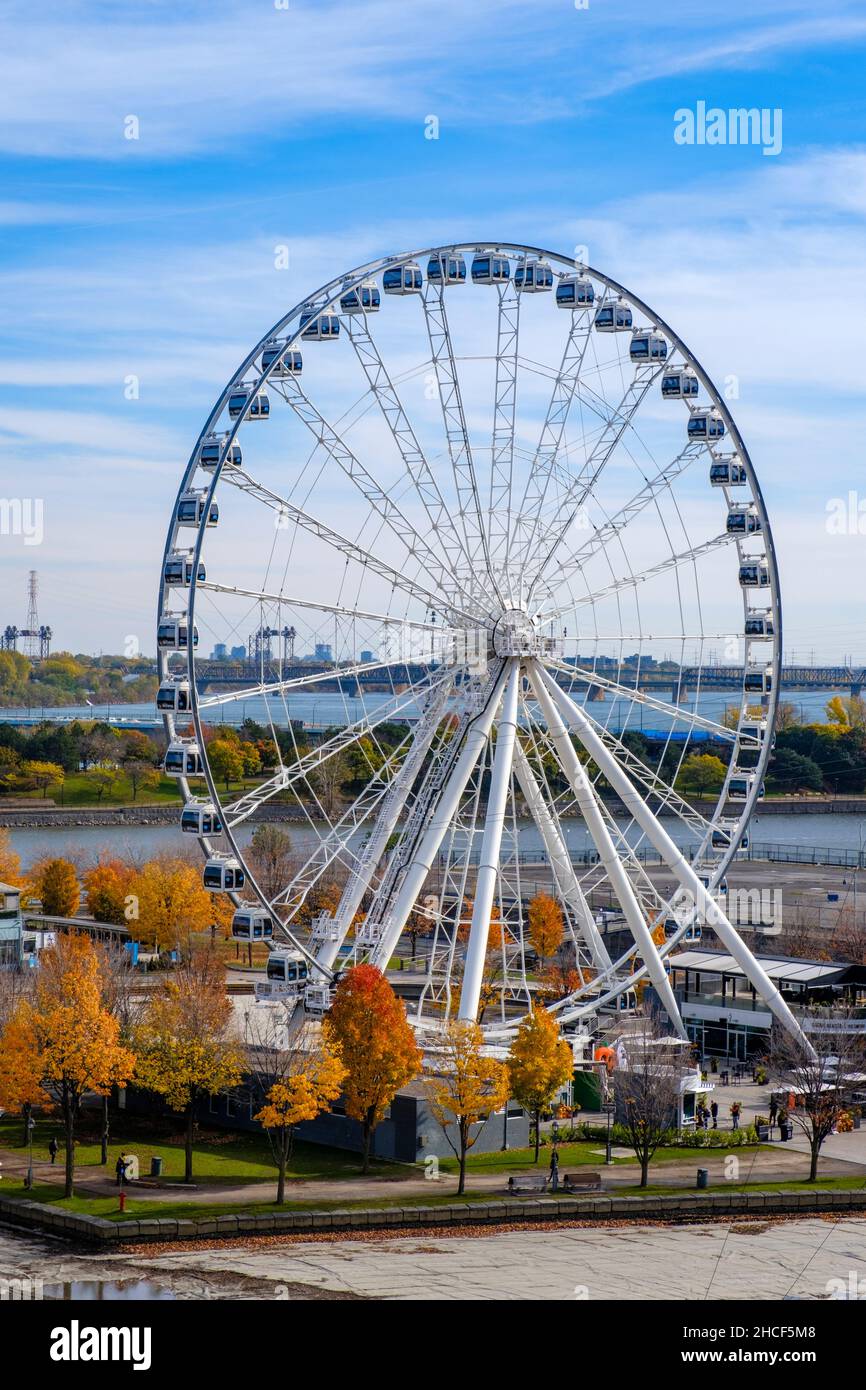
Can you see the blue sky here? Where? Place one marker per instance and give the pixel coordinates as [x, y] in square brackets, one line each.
[305, 127]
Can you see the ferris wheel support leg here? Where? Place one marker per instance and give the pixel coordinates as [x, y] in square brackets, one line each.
[446, 808]
[675, 861]
[560, 860]
[589, 809]
[491, 841]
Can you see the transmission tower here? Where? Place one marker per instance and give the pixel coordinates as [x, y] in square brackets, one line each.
[31, 640]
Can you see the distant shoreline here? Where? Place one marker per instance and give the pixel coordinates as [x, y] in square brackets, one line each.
[48, 817]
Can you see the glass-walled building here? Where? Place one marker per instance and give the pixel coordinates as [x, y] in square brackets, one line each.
[10, 927]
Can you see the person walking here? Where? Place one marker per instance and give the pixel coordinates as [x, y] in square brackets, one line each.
[554, 1171]
[120, 1170]
[714, 1111]
[774, 1110]
[735, 1115]
[52, 1148]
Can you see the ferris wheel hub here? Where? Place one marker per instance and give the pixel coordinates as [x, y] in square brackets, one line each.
[515, 634]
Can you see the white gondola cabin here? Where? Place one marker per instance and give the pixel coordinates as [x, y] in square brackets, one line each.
[647, 346]
[705, 425]
[692, 932]
[173, 694]
[490, 270]
[403, 279]
[252, 404]
[183, 759]
[754, 574]
[318, 999]
[725, 835]
[361, 299]
[533, 277]
[252, 924]
[172, 634]
[446, 269]
[681, 385]
[223, 874]
[613, 318]
[200, 818]
[285, 362]
[727, 473]
[755, 729]
[213, 446]
[758, 680]
[743, 521]
[758, 625]
[286, 976]
[192, 507]
[178, 568]
[575, 292]
[319, 325]
[740, 788]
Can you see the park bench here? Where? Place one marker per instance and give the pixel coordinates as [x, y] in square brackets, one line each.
[582, 1182]
[527, 1182]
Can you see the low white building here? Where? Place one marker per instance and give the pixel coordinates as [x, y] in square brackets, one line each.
[11, 927]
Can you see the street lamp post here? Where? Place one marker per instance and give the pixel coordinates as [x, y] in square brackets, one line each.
[608, 1109]
[31, 1125]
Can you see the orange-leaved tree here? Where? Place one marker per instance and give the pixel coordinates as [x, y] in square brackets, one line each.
[107, 885]
[539, 1064]
[184, 1043]
[466, 1088]
[368, 1029]
[169, 902]
[55, 882]
[65, 1043]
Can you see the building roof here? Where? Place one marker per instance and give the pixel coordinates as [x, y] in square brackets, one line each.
[788, 968]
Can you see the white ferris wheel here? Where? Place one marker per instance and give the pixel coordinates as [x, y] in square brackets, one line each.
[478, 515]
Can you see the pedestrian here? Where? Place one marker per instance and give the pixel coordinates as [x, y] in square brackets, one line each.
[554, 1171]
[735, 1115]
[714, 1111]
[774, 1109]
[120, 1170]
[52, 1148]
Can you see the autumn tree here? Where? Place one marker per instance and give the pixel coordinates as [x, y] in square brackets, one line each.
[55, 883]
[169, 902]
[65, 1043]
[184, 1043]
[539, 1065]
[466, 1088]
[646, 1089]
[701, 772]
[107, 885]
[821, 1072]
[43, 775]
[545, 925]
[369, 1032]
[271, 859]
[10, 862]
[297, 1083]
[226, 760]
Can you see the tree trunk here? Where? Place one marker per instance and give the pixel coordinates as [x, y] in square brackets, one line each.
[644, 1170]
[69, 1128]
[190, 1129]
[461, 1186]
[813, 1165]
[105, 1130]
[537, 1133]
[368, 1135]
[281, 1180]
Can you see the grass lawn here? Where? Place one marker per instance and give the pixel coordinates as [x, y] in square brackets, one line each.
[218, 1157]
[586, 1152]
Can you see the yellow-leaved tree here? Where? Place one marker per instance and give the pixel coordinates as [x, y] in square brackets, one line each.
[466, 1088]
[298, 1082]
[539, 1064]
[64, 1042]
[545, 925]
[184, 1045]
[168, 903]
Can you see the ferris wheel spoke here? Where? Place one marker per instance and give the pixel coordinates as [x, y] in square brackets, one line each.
[417, 548]
[631, 581]
[616, 426]
[288, 512]
[562, 869]
[595, 822]
[290, 683]
[672, 857]
[491, 844]
[456, 431]
[444, 806]
[340, 611]
[614, 525]
[413, 456]
[635, 695]
[286, 777]
[544, 462]
[499, 510]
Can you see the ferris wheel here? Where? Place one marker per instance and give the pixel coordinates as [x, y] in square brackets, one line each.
[483, 536]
